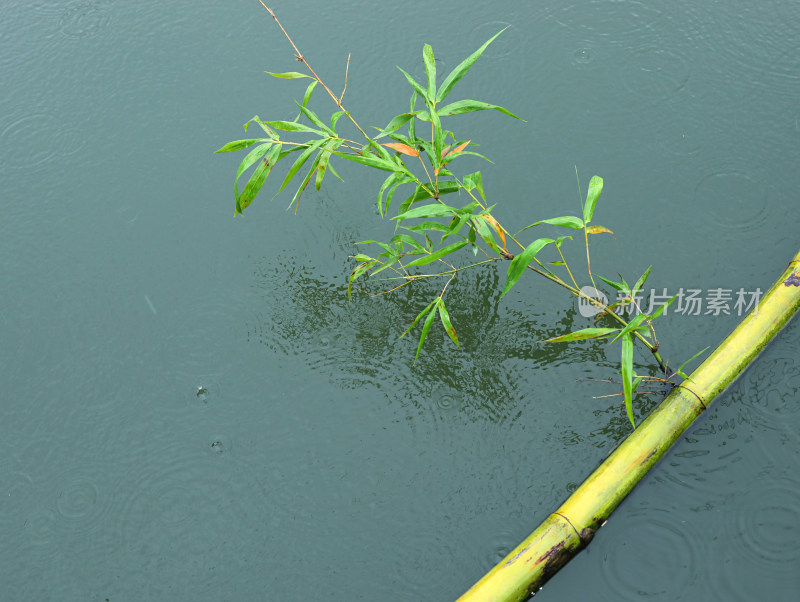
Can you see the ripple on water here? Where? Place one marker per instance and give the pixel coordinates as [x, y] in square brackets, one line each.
[189, 522]
[84, 18]
[764, 523]
[81, 505]
[31, 140]
[650, 542]
[770, 392]
[733, 203]
[655, 72]
[623, 22]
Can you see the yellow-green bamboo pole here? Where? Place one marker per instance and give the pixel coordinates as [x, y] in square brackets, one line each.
[570, 528]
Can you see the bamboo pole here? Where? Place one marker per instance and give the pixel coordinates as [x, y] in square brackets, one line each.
[570, 528]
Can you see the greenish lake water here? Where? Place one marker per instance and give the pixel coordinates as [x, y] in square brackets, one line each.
[192, 411]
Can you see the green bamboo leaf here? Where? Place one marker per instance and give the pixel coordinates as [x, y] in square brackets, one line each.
[427, 226]
[426, 328]
[617, 285]
[359, 270]
[412, 123]
[390, 194]
[325, 157]
[299, 162]
[419, 317]
[426, 259]
[258, 178]
[293, 126]
[417, 88]
[370, 161]
[469, 106]
[689, 360]
[640, 283]
[438, 138]
[395, 124]
[262, 125]
[312, 117]
[627, 375]
[239, 145]
[335, 118]
[662, 308]
[433, 210]
[406, 239]
[430, 69]
[448, 325]
[288, 75]
[632, 325]
[475, 180]
[461, 70]
[253, 156]
[580, 335]
[520, 263]
[312, 170]
[567, 221]
[595, 188]
[386, 183]
[486, 232]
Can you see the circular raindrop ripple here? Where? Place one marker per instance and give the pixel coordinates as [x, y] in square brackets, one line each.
[770, 392]
[187, 519]
[655, 73]
[652, 543]
[78, 502]
[765, 525]
[31, 140]
[83, 19]
[733, 203]
[624, 22]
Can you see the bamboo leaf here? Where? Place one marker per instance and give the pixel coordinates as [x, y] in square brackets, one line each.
[580, 335]
[469, 106]
[448, 326]
[306, 180]
[461, 70]
[293, 126]
[253, 156]
[258, 178]
[335, 118]
[402, 148]
[288, 75]
[475, 180]
[426, 259]
[299, 162]
[598, 230]
[640, 283]
[433, 210]
[417, 88]
[395, 124]
[386, 183]
[419, 317]
[522, 261]
[239, 145]
[627, 375]
[430, 69]
[662, 308]
[370, 161]
[312, 117]
[494, 223]
[359, 270]
[567, 221]
[689, 360]
[595, 188]
[632, 325]
[438, 137]
[485, 232]
[426, 328]
[617, 285]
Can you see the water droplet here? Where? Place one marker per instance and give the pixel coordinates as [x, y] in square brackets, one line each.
[583, 56]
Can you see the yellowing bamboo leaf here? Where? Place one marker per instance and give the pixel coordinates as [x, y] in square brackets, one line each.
[496, 226]
[598, 230]
[402, 148]
[459, 148]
